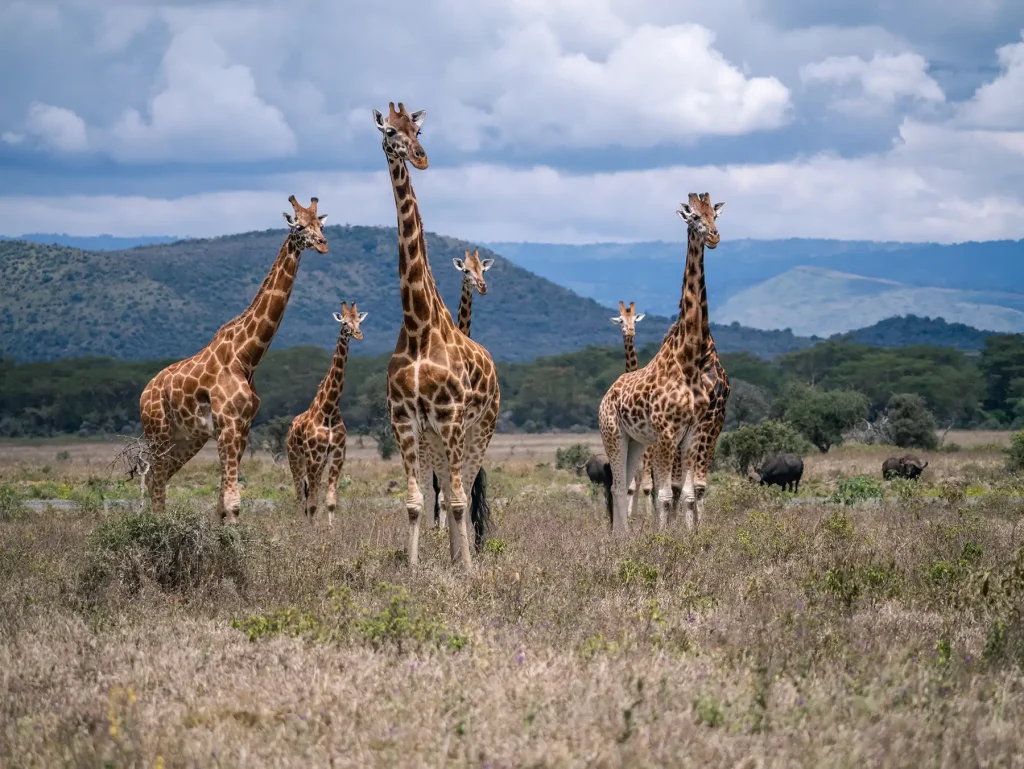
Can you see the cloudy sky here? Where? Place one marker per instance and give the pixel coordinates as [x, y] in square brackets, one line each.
[547, 120]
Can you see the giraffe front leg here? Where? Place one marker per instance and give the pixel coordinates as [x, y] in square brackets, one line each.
[454, 437]
[297, 465]
[231, 441]
[689, 452]
[665, 453]
[167, 460]
[409, 449]
[333, 474]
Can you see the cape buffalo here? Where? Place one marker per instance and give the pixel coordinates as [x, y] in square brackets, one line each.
[908, 466]
[779, 470]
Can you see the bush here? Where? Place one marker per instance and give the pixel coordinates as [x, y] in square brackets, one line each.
[271, 436]
[857, 489]
[822, 415]
[911, 424]
[748, 404]
[180, 550]
[11, 506]
[1015, 453]
[573, 456]
[751, 443]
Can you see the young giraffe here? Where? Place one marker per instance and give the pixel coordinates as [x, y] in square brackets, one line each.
[211, 394]
[472, 269]
[627, 320]
[662, 403]
[316, 438]
[442, 386]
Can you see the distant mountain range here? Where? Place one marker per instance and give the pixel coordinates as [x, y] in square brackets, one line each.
[92, 242]
[818, 287]
[167, 299]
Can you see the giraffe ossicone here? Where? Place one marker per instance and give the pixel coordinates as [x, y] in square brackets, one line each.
[442, 386]
[661, 404]
[211, 394]
[316, 439]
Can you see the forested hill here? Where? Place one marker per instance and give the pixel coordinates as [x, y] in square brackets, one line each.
[167, 300]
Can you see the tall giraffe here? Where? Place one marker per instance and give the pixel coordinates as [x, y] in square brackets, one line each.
[211, 394]
[662, 403]
[442, 386]
[472, 269]
[627, 320]
[316, 438]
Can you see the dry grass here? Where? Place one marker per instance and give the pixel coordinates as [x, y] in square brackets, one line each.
[778, 636]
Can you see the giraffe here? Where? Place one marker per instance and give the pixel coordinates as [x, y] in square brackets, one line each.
[211, 394]
[662, 403]
[316, 438]
[472, 269]
[442, 386]
[627, 320]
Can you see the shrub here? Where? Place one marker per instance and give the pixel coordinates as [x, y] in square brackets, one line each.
[822, 415]
[751, 443]
[573, 456]
[10, 503]
[911, 424]
[857, 489]
[1015, 453]
[180, 550]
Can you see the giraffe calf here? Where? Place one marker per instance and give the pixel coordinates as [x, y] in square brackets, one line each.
[316, 438]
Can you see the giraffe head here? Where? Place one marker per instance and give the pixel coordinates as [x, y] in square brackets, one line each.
[473, 268]
[700, 215]
[627, 318]
[401, 131]
[306, 226]
[350, 318]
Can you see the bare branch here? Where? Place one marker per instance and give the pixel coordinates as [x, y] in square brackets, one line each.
[136, 458]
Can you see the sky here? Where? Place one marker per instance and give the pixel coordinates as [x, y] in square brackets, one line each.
[568, 121]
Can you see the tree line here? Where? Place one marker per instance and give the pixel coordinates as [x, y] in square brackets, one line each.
[853, 382]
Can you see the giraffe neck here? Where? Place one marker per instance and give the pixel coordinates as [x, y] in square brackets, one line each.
[631, 362]
[466, 306]
[328, 394]
[684, 342]
[422, 307]
[255, 328]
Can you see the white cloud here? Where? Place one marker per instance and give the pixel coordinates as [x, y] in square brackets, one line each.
[936, 184]
[10, 137]
[656, 85]
[882, 80]
[208, 110]
[56, 128]
[1000, 103]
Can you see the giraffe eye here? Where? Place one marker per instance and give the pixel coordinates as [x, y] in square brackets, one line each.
[391, 132]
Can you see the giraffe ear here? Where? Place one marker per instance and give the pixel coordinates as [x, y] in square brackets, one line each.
[617, 320]
[290, 219]
[322, 217]
[378, 120]
[719, 207]
[362, 316]
[459, 264]
[339, 317]
[418, 117]
[486, 264]
[639, 317]
[685, 212]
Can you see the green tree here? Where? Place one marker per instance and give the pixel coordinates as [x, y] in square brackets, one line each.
[821, 415]
[748, 404]
[910, 423]
[1002, 367]
[750, 444]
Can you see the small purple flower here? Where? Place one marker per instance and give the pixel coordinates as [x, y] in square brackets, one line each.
[303, 718]
[969, 659]
[691, 618]
[800, 702]
[799, 604]
[521, 657]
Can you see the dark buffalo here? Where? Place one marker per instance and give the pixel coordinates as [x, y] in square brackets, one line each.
[599, 471]
[779, 470]
[908, 466]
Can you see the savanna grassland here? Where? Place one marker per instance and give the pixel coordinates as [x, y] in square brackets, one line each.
[835, 632]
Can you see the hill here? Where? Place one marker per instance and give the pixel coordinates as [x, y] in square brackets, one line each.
[819, 300]
[604, 270]
[92, 242]
[167, 300]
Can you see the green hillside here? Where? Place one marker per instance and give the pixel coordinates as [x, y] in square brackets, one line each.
[167, 300]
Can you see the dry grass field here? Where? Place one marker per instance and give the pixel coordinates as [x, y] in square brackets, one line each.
[823, 634]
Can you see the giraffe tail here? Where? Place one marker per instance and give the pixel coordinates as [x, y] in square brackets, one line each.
[607, 483]
[437, 501]
[480, 509]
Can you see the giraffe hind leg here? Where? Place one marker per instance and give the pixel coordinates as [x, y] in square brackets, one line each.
[409, 449]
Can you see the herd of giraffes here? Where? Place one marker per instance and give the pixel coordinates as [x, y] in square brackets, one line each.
[658, 423]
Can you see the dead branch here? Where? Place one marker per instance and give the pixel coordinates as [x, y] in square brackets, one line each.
[136, 458]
